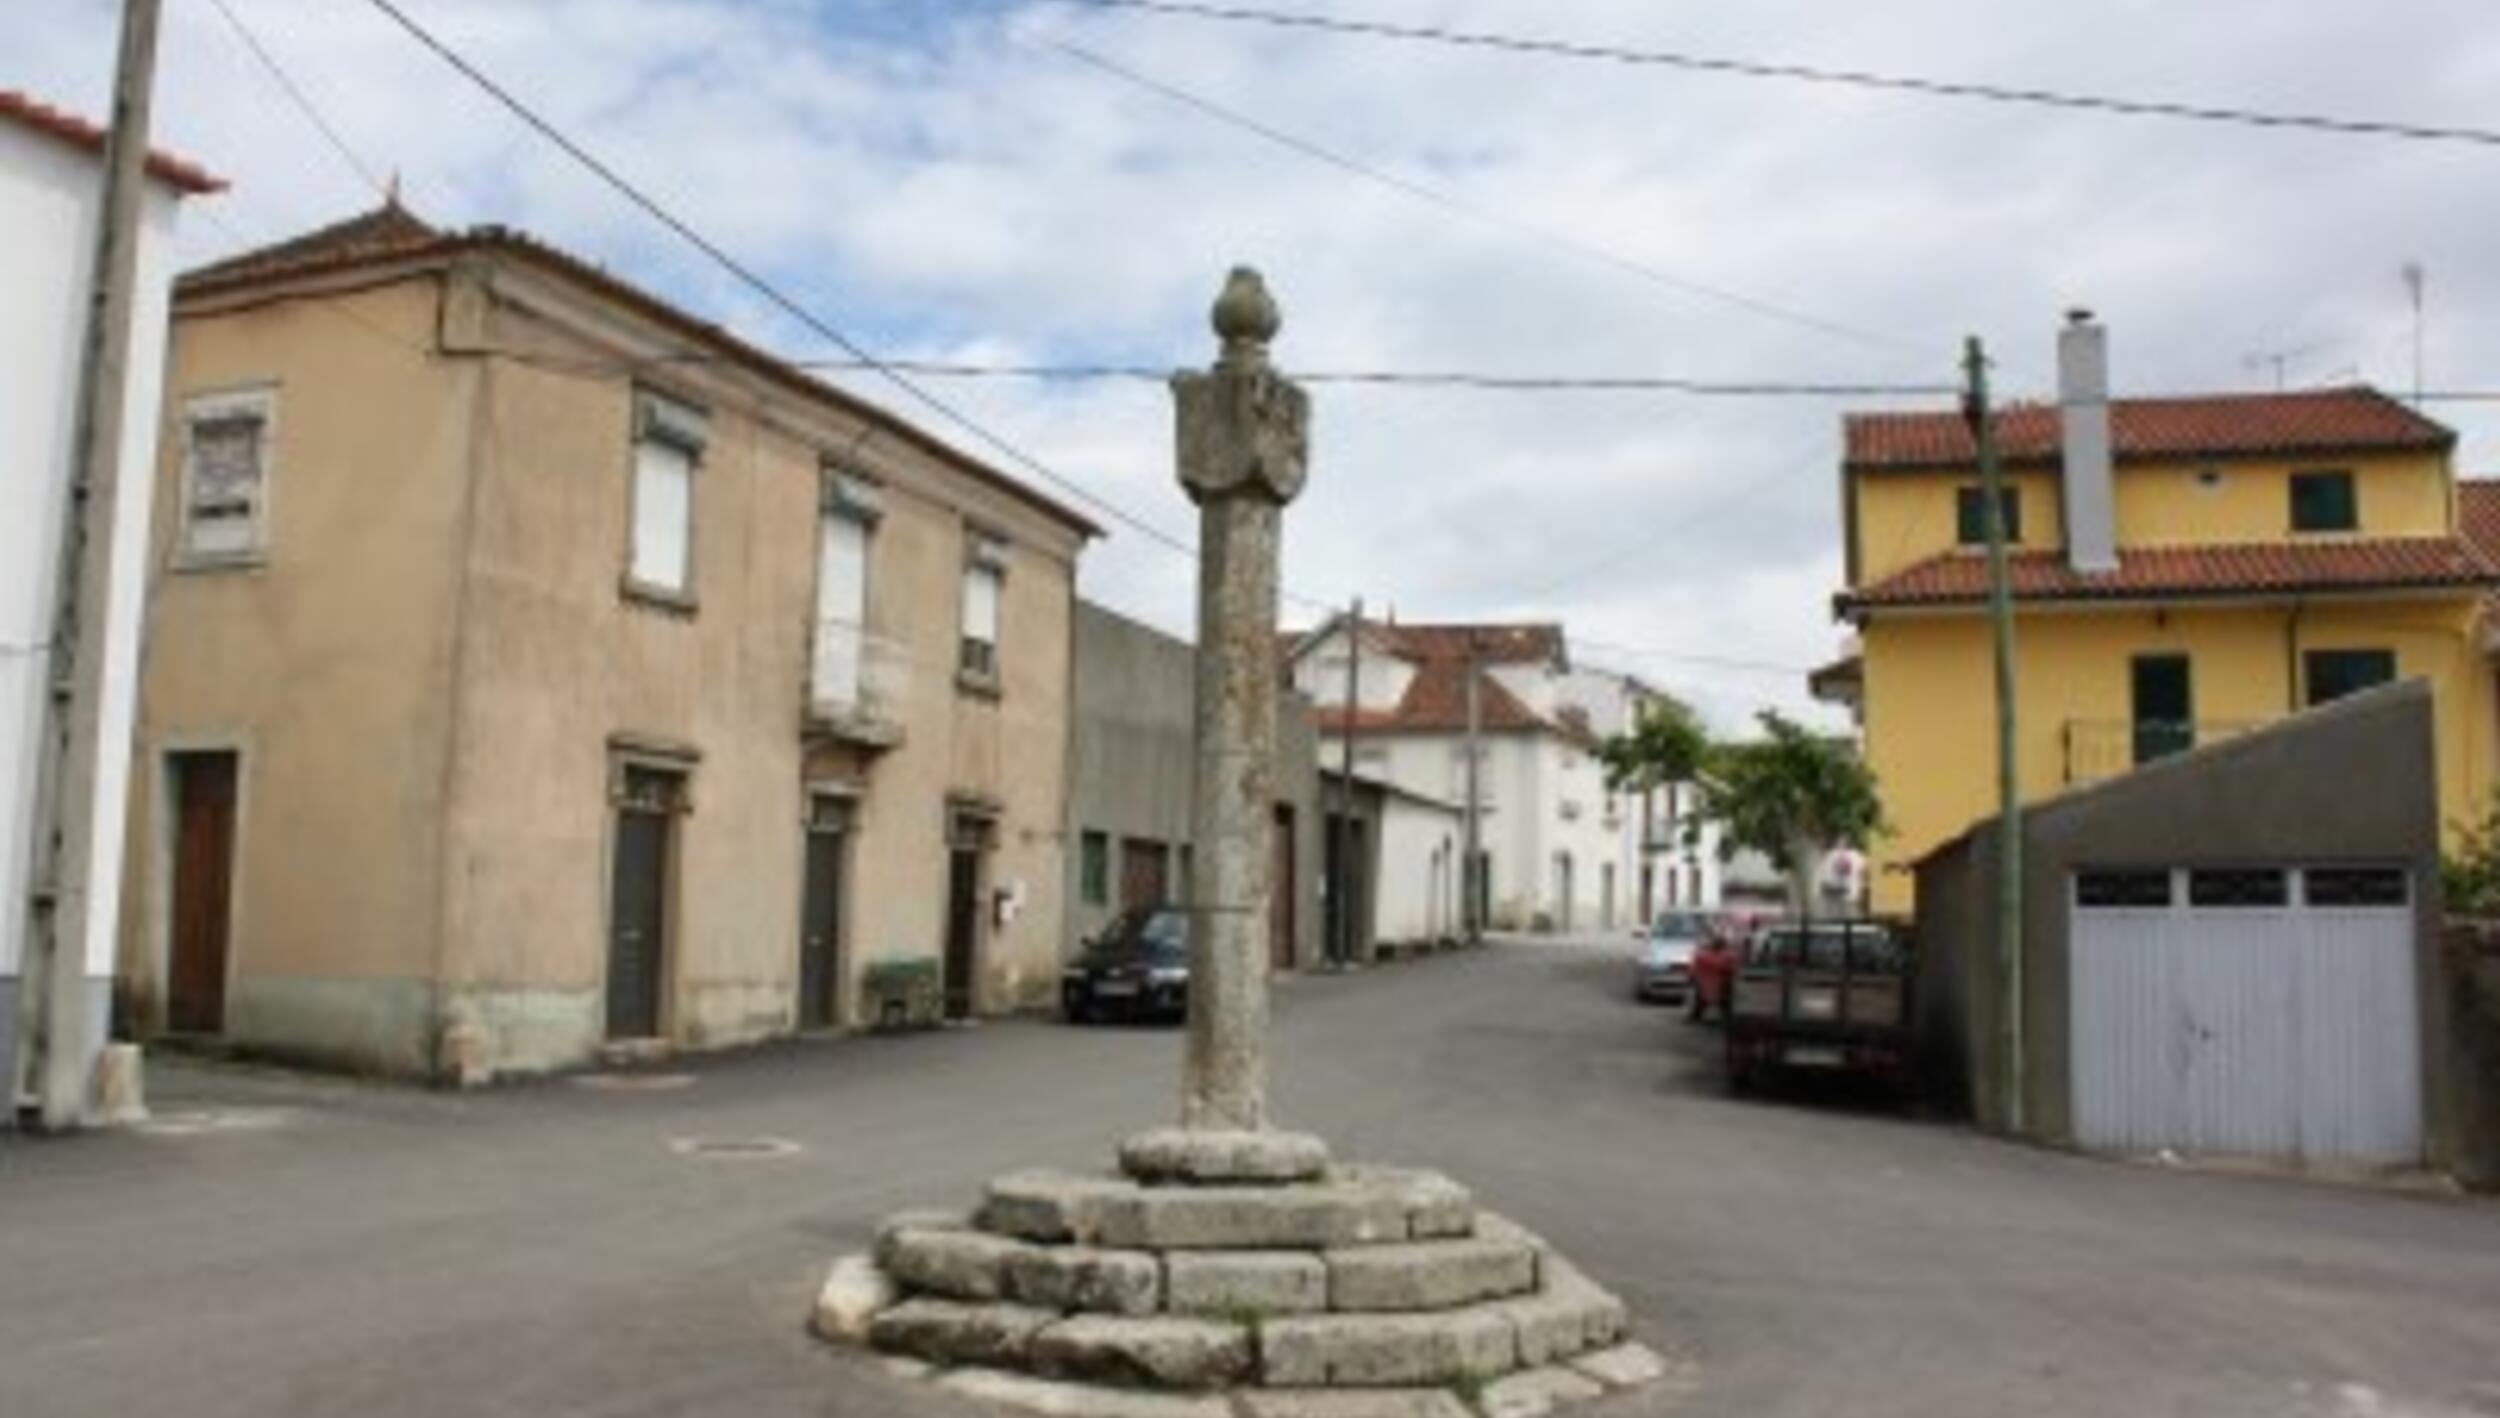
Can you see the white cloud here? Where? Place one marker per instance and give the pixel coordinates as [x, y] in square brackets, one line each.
[955, 186]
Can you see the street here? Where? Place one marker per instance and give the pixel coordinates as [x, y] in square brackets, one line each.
[284, 1245]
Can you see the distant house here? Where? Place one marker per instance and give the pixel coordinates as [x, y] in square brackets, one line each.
[2183, 569]
[51, 195]
[538, 670]
[1552, 834]
[1135, 757]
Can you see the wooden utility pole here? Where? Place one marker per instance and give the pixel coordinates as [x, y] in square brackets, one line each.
[52, 1084]
[2009, 791]
[1473, 907]
[1341, 939]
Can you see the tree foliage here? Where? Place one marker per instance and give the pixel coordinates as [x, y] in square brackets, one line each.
[1790, 794]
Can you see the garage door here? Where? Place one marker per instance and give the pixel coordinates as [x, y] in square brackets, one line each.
[2246, 1011]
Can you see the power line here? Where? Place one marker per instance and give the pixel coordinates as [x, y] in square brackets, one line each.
[1451, 203]
[1431, 379]
[1686, 657]
[1816, 74]
[772, 293]
[302, 101]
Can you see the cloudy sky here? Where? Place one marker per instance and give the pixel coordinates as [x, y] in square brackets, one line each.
[978, 181]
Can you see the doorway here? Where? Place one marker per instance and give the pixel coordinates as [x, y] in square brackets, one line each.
[2164, 707]
[200, 943]
[647, 802]
[968, 838]
[1143, 883]
[1281, 894]
[820, 913]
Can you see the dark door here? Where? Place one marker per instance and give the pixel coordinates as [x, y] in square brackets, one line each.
[820, 926]
[1142, 881]
[963, 928]
[638, 917]
[2164, 707]
[1281, 893]
[203, 892]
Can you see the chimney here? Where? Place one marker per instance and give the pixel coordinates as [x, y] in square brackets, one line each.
[2083, 420]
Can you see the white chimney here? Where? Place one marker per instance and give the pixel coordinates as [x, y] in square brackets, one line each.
[2083, 418]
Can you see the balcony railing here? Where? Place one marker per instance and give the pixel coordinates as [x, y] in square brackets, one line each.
[2094, 749]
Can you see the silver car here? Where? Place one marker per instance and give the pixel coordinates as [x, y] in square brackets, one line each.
[1663, 972]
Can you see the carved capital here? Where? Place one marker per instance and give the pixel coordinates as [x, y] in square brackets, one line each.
[1242, 433]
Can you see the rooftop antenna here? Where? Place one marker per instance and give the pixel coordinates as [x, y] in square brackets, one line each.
[2415, 278]
[2280, 360]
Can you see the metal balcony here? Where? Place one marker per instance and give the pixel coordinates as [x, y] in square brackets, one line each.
[2094, 749]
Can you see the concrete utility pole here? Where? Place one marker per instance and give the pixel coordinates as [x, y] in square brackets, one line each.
[52, 1083]
[1473, 911]
[1243, 443]
[2009, 791]
[1341, 939]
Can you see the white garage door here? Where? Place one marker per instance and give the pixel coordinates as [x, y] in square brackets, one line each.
[2246, 1011]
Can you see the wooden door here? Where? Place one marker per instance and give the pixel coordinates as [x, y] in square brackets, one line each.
[1281, 895]
[963, 928]
[1142, 881]
[820, 927]
[638, 915]
[203, 892]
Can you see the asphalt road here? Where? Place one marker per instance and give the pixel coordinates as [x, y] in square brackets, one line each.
[277, 1245]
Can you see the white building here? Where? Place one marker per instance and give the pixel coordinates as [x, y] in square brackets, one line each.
[1560, 850]
[1671, 858]
[51, 196]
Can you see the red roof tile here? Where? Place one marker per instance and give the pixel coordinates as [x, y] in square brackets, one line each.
[29, 112]
[1436, 697]
[2478, 515]
[2191, 572]
[2303, 423]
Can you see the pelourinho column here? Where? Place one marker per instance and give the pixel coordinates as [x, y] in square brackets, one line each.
[1244, 437]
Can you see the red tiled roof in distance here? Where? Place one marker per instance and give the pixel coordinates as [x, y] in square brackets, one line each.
[2194, 572]
[2478, 515]
[2305, 422]
[31, 113]
[1436, 696]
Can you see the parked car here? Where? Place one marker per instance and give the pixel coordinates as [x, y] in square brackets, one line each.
[1137, 968]
[1831, 995]
[1662, 972]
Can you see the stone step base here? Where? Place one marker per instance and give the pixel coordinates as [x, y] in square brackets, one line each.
[1347, 1206]
[1522, 1395]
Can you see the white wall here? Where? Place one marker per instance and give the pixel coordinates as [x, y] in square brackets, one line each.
[1416, 897]
[50, 194]
[1381, 679]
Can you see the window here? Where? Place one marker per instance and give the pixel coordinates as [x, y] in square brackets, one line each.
[2164, 707]
[2239, 887]
[668, 444]
[985, 584]
[228, 440]
[1094, 869]
[2355, 886]
[2106, 890]
[2329, 675]
[1970, 515]
[2324, 502]
[850, 511]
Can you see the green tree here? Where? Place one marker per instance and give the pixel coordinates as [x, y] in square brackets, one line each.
[1791, 794]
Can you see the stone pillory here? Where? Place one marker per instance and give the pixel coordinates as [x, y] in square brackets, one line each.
[1229, 1265]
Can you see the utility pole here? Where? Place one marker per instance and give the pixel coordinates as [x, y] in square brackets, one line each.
[51, 1084]
[2009, 793]
[1473, 907]
[1341, 944]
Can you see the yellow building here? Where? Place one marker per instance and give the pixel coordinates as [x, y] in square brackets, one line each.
[2183, 569]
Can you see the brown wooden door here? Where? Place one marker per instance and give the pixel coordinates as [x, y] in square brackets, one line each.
[820, 932]
[1142, 880]
[638, 912]
[203, 892]
[963, 928]
[1281, 896]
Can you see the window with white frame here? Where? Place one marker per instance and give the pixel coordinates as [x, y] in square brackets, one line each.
[668, 446]
[228, 443]
[851, 507]
[985, 585]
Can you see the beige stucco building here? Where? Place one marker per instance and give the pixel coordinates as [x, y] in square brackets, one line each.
[533, 668]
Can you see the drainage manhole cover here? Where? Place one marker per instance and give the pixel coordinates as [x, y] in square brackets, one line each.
[633, 1082]
[734, 1149]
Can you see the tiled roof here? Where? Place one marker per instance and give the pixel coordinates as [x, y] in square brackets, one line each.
[2303, 423]
[1436, 697]
[2190, 572]
[2478, 515]
[391, 233]
[29, 112]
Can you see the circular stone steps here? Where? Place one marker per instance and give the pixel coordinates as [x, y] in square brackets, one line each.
[1227, 1264]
